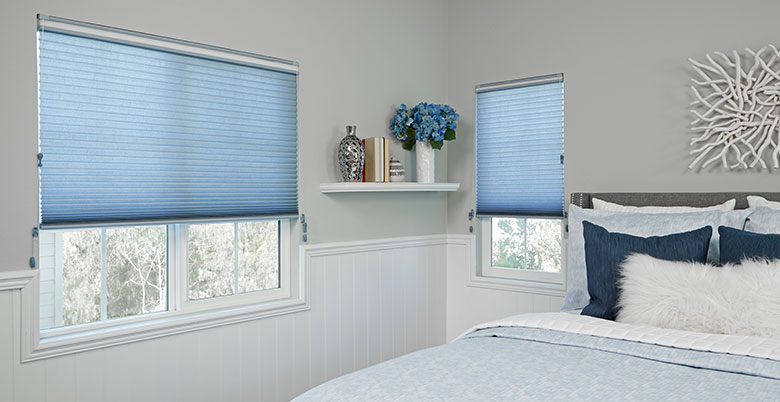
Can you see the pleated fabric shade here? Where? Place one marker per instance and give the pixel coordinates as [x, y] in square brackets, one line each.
[131, 134]
[519, 134]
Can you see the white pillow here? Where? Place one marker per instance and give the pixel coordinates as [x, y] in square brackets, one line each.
[763, 220]
[601, 205]
[755, 201]
[734, 299]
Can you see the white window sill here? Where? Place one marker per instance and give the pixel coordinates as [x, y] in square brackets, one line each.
[158, 325]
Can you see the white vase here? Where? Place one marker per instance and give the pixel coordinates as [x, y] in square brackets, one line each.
[425, 166]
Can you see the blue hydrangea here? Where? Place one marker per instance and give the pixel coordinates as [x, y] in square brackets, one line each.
[429, 121]
[401, 122]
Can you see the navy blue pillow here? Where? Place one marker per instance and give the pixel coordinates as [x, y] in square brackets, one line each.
[737, 245]
[605, 251]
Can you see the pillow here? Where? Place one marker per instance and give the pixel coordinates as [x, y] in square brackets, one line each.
[601, 205]
[755, 201]
[637, 225]
[763, 220]
[735, 299]
[605, 251]
[737, 245]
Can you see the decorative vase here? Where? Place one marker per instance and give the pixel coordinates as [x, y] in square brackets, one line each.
[351, 156]
[397, 173]
[424, 154]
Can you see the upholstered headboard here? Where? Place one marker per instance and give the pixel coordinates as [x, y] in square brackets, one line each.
[669, 199]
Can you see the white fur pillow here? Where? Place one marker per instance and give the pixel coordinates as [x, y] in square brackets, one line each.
[734, 299]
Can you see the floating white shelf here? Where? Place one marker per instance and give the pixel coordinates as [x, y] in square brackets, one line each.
[386, 187]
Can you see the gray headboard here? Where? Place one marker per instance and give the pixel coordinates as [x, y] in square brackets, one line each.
[583, 200]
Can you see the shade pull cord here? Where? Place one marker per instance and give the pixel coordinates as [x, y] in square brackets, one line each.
[35, 233]
[304, 228]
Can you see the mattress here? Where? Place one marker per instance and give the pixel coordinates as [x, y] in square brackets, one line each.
[559, 356]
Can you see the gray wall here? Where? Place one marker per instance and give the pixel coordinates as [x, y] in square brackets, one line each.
[626, 84]
[358, 60]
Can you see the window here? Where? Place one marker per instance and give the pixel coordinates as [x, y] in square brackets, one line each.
[167, 176]
[102, 274]
[520, 178]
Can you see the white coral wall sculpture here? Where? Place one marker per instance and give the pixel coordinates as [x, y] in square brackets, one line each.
[737, 109]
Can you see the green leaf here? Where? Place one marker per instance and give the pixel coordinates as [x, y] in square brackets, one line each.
[410, 133]
[449, 135]
[409, 144]
[437, 144]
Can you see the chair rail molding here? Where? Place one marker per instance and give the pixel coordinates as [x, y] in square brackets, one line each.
[16, 279]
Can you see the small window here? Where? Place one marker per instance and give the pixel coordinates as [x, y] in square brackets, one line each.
[524, 248]
[520, 178]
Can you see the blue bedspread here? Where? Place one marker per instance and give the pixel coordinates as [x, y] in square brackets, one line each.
[530, 364]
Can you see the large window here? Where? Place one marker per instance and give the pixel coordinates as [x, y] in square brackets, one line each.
[102, 274]
[520, 179]
[168, 178]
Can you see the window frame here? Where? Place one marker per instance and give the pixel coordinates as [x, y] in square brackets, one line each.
[485, 275]
[178, 286]
[184, 303]
[179, 317]
[528, 277]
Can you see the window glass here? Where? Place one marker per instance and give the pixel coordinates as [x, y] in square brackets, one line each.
[211, 260]
[80, 276]
[232, 258]
[136, 274]
[525, 243]
[92, 275]
[258, 256]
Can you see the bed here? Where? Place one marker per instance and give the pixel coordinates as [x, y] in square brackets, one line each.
[568, 356]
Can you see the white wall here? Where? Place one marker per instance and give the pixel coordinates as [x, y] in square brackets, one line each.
[626, 83]
[358, 60]
[366, 306]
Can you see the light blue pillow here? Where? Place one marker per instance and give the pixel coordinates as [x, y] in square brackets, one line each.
[636, 224]
[764, 220]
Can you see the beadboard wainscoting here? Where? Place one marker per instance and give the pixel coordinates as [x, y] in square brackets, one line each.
[469, 304]
[369, 301]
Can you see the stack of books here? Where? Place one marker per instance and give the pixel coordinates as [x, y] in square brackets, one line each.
[377, 162]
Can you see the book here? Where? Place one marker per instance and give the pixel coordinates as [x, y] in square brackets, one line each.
[373, 169]
[364, 160]
[386, 160]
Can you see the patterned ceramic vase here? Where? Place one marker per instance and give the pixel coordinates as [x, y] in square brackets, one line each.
[396, 171]
[351, 156]
[424, 153]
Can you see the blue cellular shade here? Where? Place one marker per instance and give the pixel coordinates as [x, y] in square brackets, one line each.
[134, 134]
[519, 151]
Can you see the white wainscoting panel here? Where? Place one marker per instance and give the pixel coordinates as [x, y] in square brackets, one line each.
[471, 305]
[370, 301]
